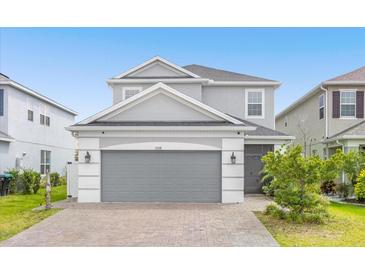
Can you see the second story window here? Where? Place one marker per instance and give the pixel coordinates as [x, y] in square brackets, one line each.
[130, 91]
[48, 121]
[348, 104]
[42, 119]
[30, 115]
[45, 120]
[286, 121]
[321, 107]
[254, 103]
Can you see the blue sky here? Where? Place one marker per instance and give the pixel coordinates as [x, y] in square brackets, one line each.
[70, 65]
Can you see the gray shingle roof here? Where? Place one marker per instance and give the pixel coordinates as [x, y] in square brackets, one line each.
[222, 75]
[355, 75]
[260, 130]
[357, 129]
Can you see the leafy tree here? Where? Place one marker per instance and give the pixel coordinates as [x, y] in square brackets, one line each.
[353, 163]
[296, 183]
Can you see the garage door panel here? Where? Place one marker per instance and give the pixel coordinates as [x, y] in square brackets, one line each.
[161, 176]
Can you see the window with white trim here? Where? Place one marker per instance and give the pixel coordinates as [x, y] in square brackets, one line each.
[321, 107]
[286, 121]
[255, 103]
[45, 161]
[348, 104]
[130, 91]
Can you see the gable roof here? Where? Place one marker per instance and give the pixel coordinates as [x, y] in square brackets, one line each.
[134, 99]
[152, 60]
[5, 80]
[223, 75]
[355, 75]
[355, 130]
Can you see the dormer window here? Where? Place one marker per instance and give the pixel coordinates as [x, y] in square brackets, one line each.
[130, 91]
[255, 103]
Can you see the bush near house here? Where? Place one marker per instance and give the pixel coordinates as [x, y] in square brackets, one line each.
[296, 185]
[25, 181]
[360, 187]
[54, 178]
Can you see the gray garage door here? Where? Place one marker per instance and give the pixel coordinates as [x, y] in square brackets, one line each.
[253, 166]
[161, 176]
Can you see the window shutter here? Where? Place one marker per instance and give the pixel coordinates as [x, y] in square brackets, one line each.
[336, 104]
[359, 104]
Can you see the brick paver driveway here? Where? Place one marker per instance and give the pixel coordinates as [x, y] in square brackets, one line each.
[118, 224]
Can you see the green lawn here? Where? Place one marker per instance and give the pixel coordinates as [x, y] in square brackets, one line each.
[345, 228]
[16, 211]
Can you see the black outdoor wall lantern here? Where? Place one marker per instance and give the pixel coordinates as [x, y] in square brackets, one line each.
[87, 157]
[233, 158]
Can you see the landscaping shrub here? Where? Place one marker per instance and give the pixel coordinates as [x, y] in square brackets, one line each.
[14, 181]
[36, 181]
[360, 187]
[29, 181]
[54, 178]
[63, 180]
[328, 187]
[345, 190]
[296, 185]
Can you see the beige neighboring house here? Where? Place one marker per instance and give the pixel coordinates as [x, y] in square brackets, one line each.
[329, 117]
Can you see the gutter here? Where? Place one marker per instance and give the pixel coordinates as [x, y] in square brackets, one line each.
[159, 128]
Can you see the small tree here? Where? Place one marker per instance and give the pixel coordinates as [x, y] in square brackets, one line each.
[353, 163]
[296, 184]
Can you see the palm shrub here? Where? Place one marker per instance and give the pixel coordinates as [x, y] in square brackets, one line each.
[296, 184]
[360, 187]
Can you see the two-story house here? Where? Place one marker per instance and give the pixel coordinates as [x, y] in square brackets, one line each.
[177, 134]
[329, 117]
[32, 130]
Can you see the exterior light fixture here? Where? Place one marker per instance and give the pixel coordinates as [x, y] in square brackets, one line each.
[233, 158]
[87, 157]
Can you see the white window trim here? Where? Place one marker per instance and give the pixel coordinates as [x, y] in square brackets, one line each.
[324, 106]
[348, 117]
[128, 88]
[263, 103]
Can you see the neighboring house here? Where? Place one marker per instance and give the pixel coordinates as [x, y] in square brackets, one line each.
[32, 130]
[177, 134]
[329, 117]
